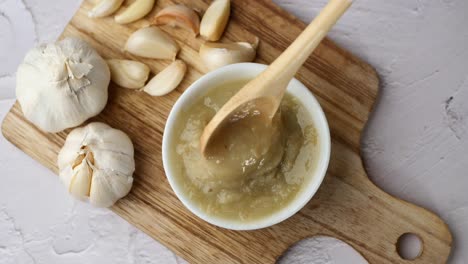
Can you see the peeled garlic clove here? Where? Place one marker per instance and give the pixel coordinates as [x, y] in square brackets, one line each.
[96, 163]
[105, 8]
[61, 85]
[167, 80]
[135, 11]
[128, 74]
[153, 43]
[215, 19]
[217, 55]
[178, 15]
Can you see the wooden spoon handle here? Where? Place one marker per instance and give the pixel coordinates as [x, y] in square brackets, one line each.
[283, 69]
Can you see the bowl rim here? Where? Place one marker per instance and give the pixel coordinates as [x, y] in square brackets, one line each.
[305, 194]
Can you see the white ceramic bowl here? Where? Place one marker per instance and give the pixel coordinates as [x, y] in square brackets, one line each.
[243, 71]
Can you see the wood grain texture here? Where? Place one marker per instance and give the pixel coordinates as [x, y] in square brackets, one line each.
[347, 206]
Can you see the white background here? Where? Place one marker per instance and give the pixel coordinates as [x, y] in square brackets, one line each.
[415, 147]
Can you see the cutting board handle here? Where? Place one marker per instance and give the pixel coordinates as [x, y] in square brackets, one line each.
[377, 218]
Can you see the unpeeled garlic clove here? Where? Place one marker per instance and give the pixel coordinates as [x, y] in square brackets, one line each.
[128, 74]
[80, 182]
[178, 15]
[215, 19]
[151, 42]
[167, 80]
[105, 8]
[135, 11]
[217, 55]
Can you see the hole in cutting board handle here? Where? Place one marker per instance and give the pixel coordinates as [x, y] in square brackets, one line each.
[409, 246]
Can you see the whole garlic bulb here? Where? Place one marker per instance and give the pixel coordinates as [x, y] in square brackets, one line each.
[61, 85]
[96, 164]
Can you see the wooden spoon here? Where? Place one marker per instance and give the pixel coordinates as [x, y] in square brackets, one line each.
[266, 91]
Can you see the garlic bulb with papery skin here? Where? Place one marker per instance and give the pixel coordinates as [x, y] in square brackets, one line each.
[96, 164]
[61, 85]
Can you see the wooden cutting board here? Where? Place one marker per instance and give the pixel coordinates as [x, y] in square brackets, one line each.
[348, 206]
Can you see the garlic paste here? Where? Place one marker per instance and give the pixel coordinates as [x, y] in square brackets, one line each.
[251, 170]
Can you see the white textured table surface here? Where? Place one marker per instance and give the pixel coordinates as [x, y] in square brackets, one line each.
[415, 147]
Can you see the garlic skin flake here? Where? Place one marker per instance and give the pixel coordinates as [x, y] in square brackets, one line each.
[153, 43]
[105, 8]
[135, 11]
[61, 85]
[128, 74]
[215, 19]
[167, 80]
[216, 55]
[96, 164]
[178, 15]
